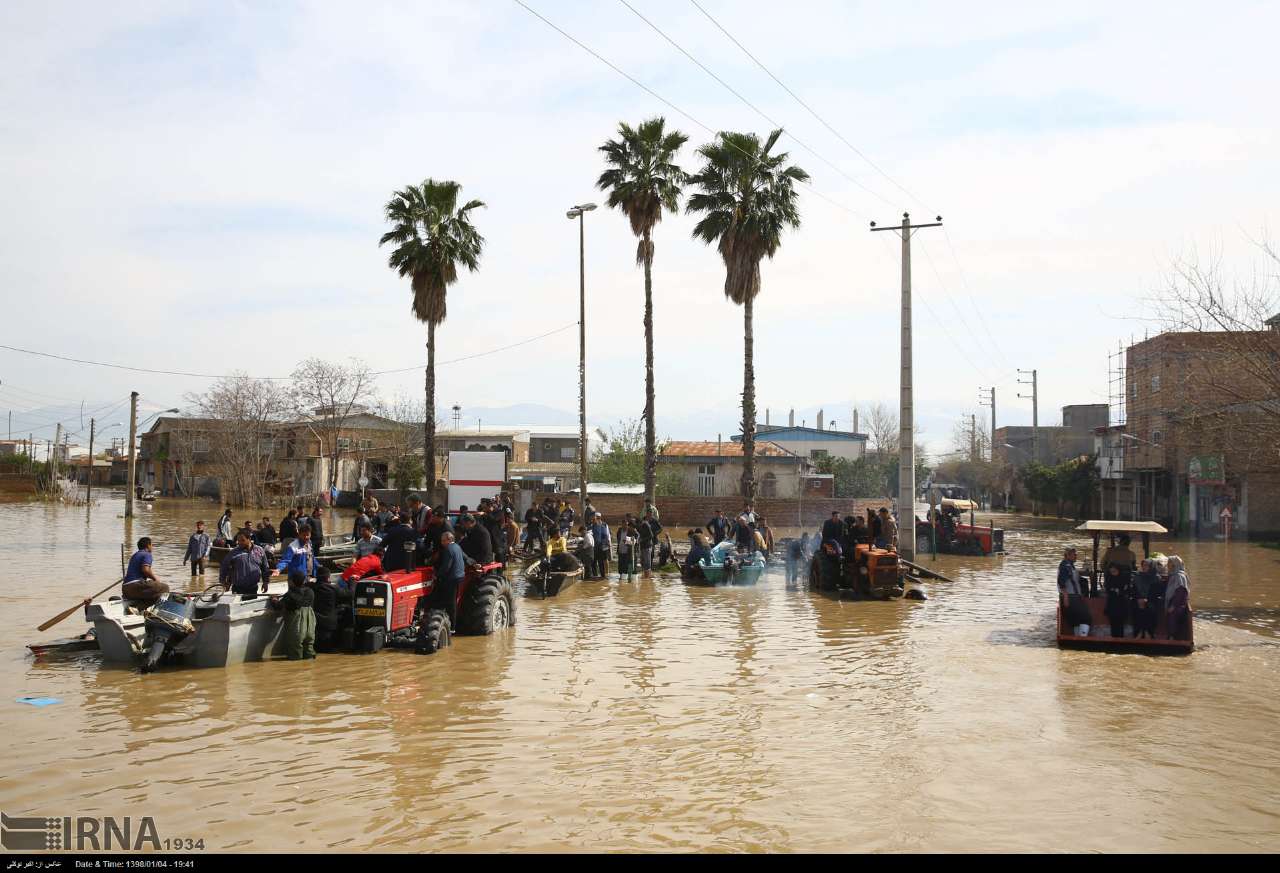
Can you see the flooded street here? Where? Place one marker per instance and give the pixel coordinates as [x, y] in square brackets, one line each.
[656, 716]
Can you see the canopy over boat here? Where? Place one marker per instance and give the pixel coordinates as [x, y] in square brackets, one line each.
[1124, 526]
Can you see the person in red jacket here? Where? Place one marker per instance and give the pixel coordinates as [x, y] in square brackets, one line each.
[363, 568]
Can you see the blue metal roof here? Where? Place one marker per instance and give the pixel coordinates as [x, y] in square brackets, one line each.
[778, 433]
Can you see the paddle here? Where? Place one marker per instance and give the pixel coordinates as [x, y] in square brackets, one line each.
[60, 616]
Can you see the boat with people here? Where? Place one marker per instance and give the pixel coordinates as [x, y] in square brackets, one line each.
[547, 577]
[726, 565]
[1132, 600]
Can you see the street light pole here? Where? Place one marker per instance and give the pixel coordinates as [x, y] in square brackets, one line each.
[579, 212]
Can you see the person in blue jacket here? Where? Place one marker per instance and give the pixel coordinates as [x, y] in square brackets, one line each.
[298, 560]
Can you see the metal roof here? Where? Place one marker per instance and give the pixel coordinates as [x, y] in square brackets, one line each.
[1125, 526]
[713, 449]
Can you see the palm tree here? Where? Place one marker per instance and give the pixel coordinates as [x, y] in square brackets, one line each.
[747, 198]
[433, 237]
[643, 180]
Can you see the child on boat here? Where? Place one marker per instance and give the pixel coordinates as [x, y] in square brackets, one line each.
[298, 636]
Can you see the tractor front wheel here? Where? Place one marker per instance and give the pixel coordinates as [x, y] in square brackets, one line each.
[435, 633]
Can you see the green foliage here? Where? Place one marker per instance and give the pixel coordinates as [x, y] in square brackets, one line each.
[408, 471]
[1072, 482]
[643, 180]
[621, 461]
[868, 476]
[748, 198]
[433, 237]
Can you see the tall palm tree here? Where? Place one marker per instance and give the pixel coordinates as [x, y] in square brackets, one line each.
[643, 180]
[748, 199]
[433, 237]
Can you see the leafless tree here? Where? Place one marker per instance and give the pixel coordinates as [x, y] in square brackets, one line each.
[325, 397]
[403, 444]
[246, 419]
[1233, 383]
[882, 426]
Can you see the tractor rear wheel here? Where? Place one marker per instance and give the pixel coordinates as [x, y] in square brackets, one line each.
[435, 634]
[815, 575]
[489, 606]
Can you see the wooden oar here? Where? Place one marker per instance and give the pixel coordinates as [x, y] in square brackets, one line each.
[60, 616]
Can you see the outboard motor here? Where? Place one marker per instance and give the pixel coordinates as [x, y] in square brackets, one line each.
[168, 623]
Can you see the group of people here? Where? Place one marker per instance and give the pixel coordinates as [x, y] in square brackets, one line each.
[837, 540]
[1137, 593]
[747, 533]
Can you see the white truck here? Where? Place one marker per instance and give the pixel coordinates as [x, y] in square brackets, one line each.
[473, 475]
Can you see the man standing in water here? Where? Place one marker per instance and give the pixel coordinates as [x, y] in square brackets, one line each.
[198, 550]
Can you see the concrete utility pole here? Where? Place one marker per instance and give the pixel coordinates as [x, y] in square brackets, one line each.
[973, 437]
[1034, 382]
[89, 479]
[906, 403]
[988, 398]
[578, 212]
[133, 454]
[53, 454]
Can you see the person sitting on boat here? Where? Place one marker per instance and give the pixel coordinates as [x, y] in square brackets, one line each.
[140, 582]
[298, 559]
[476, 543]
[565, 519]
[1074, 607]
[363, 568]
[367, 542]
[698, 550]
[557, 544]
[400, 540]
[245, 567]
[744, 538]
[1177, 601]
[1145, 581]
[758, 540]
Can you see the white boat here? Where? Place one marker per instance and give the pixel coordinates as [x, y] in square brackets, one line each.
[229, 629]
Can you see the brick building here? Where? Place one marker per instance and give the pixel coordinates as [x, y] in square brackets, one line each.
[1202, 431]
[714, 469]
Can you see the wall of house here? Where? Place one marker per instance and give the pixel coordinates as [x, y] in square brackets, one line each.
[695, 511]
[849, 449]
[728, 476]
[552, 449]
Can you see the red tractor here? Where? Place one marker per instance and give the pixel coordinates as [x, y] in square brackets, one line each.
[391, 609]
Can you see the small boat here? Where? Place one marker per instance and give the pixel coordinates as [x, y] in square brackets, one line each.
[335, 547]
[545, 581]
[1099, 637]
[725, 567]
[226, 628]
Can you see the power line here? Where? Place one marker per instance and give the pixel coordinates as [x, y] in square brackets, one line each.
[276, 378]
[633, 80]
[807, 107]
[949, 296]
[751, 105]
[964, 280]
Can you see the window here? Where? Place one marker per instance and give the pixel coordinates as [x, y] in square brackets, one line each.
[1155, 382]
[366, 444]
[769, 487]
[1157, 438]
[816, 454]
[266, 445]
[344, 443]
[568, 453]
[706, 480]
[200, 445]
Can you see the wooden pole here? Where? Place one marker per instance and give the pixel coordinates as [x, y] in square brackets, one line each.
[89, 480]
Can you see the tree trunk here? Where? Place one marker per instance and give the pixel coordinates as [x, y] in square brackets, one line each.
[429, 418]
[650, 440]
[748, 406]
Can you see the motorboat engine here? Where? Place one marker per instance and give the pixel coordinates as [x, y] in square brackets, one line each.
[168, 623]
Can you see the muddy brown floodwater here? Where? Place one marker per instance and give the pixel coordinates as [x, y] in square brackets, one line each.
[655, 716]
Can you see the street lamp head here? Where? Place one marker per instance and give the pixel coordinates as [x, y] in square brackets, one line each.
[585, 207]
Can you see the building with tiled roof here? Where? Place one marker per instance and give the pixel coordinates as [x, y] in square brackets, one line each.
[713, 468]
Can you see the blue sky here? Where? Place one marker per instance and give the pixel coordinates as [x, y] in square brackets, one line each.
[199, 187]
